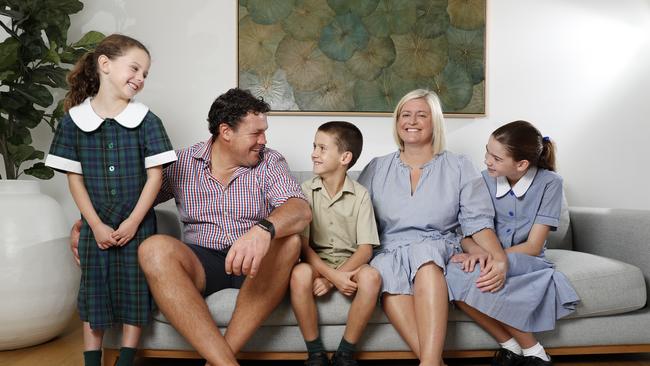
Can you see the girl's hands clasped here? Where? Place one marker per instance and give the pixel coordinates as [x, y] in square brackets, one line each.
[493, 275]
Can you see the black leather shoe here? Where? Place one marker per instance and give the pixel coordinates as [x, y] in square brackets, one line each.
[317, 359]
[504, 357]
[343, 359]
[536, 361]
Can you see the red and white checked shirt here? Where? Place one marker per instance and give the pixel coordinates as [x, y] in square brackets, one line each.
[213, 215]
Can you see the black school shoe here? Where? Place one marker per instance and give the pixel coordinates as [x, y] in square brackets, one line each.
[317, 359]
[536, 361]
[343, 359]
[504, 357]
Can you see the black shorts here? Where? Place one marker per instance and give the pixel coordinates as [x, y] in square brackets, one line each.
[214, 266]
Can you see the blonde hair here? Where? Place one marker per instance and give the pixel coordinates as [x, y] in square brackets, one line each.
[437, 120]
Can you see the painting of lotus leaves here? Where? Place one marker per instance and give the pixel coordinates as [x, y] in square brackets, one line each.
[320, 56]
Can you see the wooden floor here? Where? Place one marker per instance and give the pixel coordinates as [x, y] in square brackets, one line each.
[66, 350]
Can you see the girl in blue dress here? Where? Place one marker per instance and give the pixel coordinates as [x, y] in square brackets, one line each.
[112, 150]
[527, 197]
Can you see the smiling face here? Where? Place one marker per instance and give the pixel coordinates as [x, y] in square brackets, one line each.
[500, 163]
[326, 155]
[414, 124]
[247, 141]
[124, 76]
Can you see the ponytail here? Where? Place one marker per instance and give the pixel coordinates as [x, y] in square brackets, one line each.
[547, 156]
[83, 81]
[524, 142]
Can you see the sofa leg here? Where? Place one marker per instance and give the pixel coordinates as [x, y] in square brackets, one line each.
[110, 356]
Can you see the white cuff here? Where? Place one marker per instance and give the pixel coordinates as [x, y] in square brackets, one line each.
[60, 163]
[160, 159]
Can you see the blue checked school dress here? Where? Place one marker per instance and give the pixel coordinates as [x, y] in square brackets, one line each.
[535, 295]
[420, 228]
[112, 155]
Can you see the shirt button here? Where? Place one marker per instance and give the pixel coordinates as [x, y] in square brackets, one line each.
[111, 168]
[110, 145]
[509, 230]
[331, 240]
[113, 192]
[512, 193]
[511, 213]
[331, 223]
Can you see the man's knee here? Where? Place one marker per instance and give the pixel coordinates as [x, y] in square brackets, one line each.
[301, 276]
[290, 250]
[156, 252]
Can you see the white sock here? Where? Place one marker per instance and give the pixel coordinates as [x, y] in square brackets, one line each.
[512, 346]
[537, 351]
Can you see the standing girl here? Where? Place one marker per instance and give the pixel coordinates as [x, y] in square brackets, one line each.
[527, 197]
[112, 149]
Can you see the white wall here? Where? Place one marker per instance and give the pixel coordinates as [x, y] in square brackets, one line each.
[575, 68]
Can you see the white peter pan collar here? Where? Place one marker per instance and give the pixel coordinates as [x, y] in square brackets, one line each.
[520, 188]
[87, 120]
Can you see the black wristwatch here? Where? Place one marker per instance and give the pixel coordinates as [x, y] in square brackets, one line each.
[267, 225]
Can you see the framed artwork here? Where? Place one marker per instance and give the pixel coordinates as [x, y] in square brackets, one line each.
[361, 56]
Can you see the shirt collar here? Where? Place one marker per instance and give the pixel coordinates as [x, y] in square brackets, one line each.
[87, 120]
[348, 185]
[204, 152]
[520, 188]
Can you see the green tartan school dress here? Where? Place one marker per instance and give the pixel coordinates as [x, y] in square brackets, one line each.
[112, 155]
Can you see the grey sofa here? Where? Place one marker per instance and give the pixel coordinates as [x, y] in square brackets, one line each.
[605, 253]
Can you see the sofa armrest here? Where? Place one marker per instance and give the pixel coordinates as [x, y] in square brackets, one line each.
[621, 234]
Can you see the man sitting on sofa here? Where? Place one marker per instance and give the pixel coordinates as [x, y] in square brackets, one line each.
[241, 212]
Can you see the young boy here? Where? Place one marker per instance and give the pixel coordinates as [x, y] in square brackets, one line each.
[337, 245]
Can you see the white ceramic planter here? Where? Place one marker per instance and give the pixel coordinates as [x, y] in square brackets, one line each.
[38, 277]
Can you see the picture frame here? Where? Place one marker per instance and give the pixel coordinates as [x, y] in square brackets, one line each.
[359, 57]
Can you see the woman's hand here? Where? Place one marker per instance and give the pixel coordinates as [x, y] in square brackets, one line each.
[493, 275]
[469, 261]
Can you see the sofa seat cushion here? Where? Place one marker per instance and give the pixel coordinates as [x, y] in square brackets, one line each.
[605, 286]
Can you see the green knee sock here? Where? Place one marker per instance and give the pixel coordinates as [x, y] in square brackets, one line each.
[93, 358]
[127, 355]
[346, 346]
[315, 346]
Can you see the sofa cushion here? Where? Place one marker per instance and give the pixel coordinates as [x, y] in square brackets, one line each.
[605, 286]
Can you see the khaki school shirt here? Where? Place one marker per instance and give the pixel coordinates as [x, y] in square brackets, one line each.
[341, 223]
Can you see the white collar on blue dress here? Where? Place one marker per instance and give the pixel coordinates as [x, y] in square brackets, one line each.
[520, 188]
[87, 120]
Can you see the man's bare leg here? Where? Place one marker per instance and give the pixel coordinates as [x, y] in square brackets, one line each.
[260, 295]
[176, 279]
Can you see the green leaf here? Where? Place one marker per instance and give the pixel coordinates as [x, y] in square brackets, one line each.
[36, 94]
[40, 171]
[52, 56]
[20, 153]
[29, 117]
[9, 54]
[50, 75]
[21, 136]
[64, 6]
[11, 101]
[8, 75]
[89, 40]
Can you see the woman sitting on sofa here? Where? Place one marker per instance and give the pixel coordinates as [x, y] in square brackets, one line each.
[422, 195]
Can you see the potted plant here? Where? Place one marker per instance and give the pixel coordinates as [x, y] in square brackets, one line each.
[39, 280]
[30, 70]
